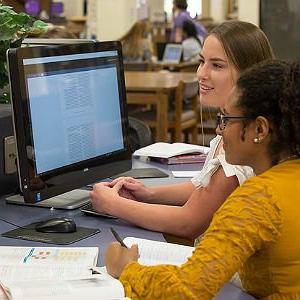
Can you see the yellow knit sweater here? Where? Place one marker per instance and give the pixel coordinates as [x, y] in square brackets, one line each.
[255, 232]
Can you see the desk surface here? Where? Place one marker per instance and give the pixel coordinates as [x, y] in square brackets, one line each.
[154, 81]
[188, 66]
[22, 215]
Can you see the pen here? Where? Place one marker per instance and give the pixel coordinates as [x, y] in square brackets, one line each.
[117, 237]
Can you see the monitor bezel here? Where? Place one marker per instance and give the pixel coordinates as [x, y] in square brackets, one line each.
[87, 172]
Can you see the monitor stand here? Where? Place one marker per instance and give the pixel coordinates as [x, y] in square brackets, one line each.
[70, 200]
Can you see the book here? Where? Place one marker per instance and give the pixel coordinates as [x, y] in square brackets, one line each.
[155, 252]
[167, 150]
[42, 273]
[181, 159]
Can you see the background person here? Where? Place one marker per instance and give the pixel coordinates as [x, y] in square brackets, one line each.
[256, 231]
[180, 15]
[136, 43]
[191, 43]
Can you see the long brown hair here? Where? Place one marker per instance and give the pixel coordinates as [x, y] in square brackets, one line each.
[244, 43]
[134, 40]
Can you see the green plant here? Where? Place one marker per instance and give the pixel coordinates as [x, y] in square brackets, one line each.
[14, 27]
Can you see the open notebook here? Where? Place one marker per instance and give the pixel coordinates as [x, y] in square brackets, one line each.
[154, 252]
[44, 273]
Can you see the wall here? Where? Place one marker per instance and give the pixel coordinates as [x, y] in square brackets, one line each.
[110, 19]
[218, 10]
[73, 8]
[249, 11]
[156, 10]
[205, 8]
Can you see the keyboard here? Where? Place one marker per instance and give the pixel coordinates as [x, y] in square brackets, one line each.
[89, 210]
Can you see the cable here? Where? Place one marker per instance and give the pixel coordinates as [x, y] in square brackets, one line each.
[8, 222]
[201, 121]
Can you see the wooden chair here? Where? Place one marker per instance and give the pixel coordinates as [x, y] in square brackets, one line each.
[191, 66]
[183, 113]
[140, 134]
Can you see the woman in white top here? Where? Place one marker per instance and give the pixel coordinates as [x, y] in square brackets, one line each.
[191, 43]
[186, 209]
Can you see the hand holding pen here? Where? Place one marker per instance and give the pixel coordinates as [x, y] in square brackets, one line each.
[117, 237]
[117, 256]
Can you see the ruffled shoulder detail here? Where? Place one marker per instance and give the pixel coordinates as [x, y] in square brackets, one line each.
[213, 163]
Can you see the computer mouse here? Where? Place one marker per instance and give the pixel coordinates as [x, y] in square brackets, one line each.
[56, 225]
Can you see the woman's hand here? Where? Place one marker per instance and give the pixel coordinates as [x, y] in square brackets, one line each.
[134, 188]
[104, 198]
[117, 257]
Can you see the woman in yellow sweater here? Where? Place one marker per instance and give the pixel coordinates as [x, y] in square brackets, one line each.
[256, 230]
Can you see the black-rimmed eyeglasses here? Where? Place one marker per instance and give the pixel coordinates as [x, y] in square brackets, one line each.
[222, 120]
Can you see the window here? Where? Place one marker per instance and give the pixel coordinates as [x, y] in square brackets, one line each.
[194, 8]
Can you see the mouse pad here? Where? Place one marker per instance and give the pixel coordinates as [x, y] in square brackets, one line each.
[143, 173]
[29, 233]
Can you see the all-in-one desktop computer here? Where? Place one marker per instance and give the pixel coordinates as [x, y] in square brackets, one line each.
[70, 120]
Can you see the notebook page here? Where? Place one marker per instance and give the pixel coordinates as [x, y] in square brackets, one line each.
[154, 252]
[53, 272]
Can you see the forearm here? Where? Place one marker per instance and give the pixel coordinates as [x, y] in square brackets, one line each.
[189, 218]
[156, 217]
[175, 194]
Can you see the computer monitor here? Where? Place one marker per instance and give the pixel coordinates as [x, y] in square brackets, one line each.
[160, 49]
[172, 53]
[70, 119]
[33, 42]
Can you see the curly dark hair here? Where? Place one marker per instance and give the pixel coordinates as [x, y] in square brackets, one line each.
[272, 89]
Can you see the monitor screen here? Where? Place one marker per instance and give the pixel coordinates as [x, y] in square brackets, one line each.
[70, 117]
[172, 53]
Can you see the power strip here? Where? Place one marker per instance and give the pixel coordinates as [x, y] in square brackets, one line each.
[10, 155]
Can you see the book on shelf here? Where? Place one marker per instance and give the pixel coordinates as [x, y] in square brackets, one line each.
[167, 150]
[42, 273]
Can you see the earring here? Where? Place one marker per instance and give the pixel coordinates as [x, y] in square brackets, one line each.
[256, 140]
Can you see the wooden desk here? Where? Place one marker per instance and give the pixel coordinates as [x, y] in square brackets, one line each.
[186, 66]
[155, 88]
